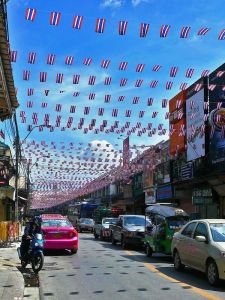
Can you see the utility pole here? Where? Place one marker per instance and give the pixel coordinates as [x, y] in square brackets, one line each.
[17, 153]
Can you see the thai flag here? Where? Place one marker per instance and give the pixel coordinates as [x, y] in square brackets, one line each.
[51, 59]
[121, 98]
[219, 105]
[77, 22]
[138, 82]
[116, 124]
[43, 76]
[136, 100]
[2, 135]
[141, 113]
[58, 107]
[140, 67]
[212, 131]
[167, 115]
[206, 117]
[205, 73]
[153, 84]
[26, 75]
[154, 114]
[160, 126]
[127, 124]
[96, 131]
[122, 27]
[22, 113]
[44, 104]
[222, 35]
[149, 134]
[101, 111]
[30, 92]
[150, 101]
[164, 103]
[23, 120]
[100, 25]
[47, 92]
[35, 118]
[123, 65]
[149, 127]
[169, 85]
[108, 80]
[178, 104]
[164, 30]
[144, 29]
[69, 60]
[107, 98]
[128, 113]
[203, 31]
[105, 63]
[87, 61]
[30, 14]
[189, 72]
[91, 80]
[54, 18]
[184, 32]
[220, 73]
[76, 94]
[123, 82]
[206, 106]
[76, 79]
[59, 78]
[63, 129]
[192, 104]
[182, 131]
[139, 133]
[86, 110]
[211, 87]
[13, 56]
[156, 68]
[180, 115]
[81, 121]
[29, 128]
[31, 57]
[72, 109]
[133, 129]
[138, 125]
[30, 104]
[85, 130]
[183, 86]
[173, 71]
[104, 123]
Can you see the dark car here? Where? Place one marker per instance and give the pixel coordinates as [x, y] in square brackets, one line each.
[85, 224]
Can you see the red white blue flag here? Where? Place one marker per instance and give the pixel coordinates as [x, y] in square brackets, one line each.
[153, 84]
[91, 96]
[30, 14]
[121, 98]
[128, 113]
[123, 65]
[30, 92]
[141, 113]
[156, 68]
[44, 104]
[54, 18]
[173, 71]
[77, 22]
[150, 101]
[58, 107]
[136, 100]
[164, 30]
[101, 111]
[154, 114]
[13, 56]
[189, 72]
[169, 85]
[108, 80]
[220, 73]
[114, 112]
[100, 25]
[26, 75]
[59, 78]
[144, 29]
[203, 31]
[164, 103]
[107, 98]
[43, 76]
[122, 27]
[140, 67]
[51, 59]
[91, 80]
[105, 63]
[183, 86]
[138, 82]
[69, 60]
[72, 109]
[87, 61]
[30, 104]
[198, 87]
[31, 57]
[222, 35]
[76, 79]
[123, 82]
[184, 32]
[205, 73]
[76, 94]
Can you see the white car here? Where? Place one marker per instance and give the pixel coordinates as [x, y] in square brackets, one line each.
[201, 245]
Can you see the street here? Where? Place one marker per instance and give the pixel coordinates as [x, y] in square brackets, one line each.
[102, 271]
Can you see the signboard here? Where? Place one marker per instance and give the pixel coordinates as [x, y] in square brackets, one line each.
[164, 192]
[150, 197]
[202, 196]
[195, 122]
[217, 119]
[126, 149]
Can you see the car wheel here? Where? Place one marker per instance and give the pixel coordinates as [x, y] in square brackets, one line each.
[95, 235]
[123, 243]
[101, 236]
[177, 262]
[73, 251]
[80, 230]
[148, 251]
[113, 241]
[212, 273]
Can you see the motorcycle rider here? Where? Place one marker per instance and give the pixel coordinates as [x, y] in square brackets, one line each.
[31, 229]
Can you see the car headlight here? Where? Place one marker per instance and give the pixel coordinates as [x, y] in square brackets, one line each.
[222, 253]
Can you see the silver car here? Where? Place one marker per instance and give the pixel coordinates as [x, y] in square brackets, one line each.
[201, 245]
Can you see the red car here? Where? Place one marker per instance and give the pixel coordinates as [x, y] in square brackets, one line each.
[59, 233]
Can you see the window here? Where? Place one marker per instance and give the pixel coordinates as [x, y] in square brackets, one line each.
[187, 231]
[201, 229]
[218, 232]
[55, 223]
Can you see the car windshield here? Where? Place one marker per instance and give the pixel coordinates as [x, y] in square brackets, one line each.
[87, 221]
[55, 223]
[136, 221]
[109, 221]
[218, 232]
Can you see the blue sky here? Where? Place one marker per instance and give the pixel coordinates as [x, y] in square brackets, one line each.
[198, 52]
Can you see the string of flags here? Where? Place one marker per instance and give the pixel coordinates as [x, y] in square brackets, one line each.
[100, 25]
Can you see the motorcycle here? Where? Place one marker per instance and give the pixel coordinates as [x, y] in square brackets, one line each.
[35, 255]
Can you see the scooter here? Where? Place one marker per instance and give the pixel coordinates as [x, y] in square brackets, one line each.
[35, 255]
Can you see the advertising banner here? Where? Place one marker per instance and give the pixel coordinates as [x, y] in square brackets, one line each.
[164, 192]
[217, 119]
[126, 149]
[195, 123]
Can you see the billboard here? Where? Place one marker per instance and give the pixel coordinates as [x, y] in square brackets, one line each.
[177, 120]
[217, 118]
[195, 123]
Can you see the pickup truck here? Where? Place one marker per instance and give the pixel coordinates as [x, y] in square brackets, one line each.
[129, 230]
[102, 230]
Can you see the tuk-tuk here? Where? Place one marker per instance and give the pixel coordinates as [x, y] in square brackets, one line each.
[165, 221]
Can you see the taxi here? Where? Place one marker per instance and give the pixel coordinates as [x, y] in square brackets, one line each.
[59, 233]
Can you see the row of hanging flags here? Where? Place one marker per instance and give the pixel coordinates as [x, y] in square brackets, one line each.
[100, 25]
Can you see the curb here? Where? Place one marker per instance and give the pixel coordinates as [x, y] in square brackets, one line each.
[31, 292]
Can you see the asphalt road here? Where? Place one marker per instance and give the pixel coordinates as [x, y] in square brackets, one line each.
[102, 271]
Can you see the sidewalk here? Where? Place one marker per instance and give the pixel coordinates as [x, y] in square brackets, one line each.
[11, 280]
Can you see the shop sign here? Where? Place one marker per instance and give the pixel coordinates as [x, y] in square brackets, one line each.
[150, 197]
[164, 192]
[202, 196]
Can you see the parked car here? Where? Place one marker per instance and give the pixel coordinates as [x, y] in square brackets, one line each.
[201, 245]
[59, 233]
[85, 224]
[102, 230]
[129, 230]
